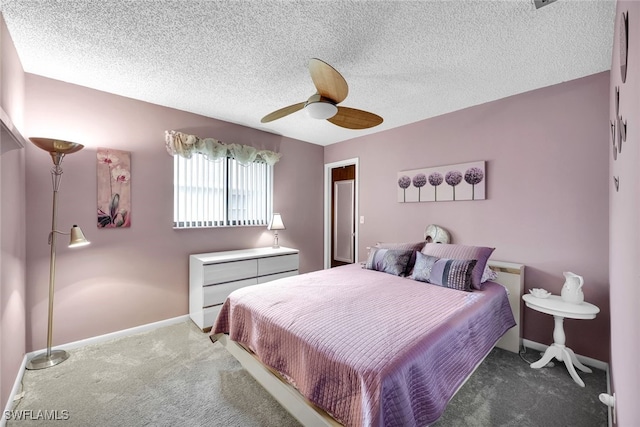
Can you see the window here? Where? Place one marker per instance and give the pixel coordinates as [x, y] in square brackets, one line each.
[220, 193]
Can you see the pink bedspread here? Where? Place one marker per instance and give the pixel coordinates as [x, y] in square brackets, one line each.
[370, 348]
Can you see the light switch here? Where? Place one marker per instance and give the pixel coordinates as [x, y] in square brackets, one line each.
[362, 219]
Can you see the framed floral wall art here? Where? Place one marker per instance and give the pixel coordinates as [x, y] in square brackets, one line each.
[114, 188]
[465, 181]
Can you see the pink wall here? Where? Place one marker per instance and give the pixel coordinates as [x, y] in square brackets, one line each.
[129, 277]
[547, 191]
[12, 222]
[12, 81]
[12, 267]
[624, 211]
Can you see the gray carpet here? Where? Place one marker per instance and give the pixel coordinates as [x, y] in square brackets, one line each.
[172, 376]
[505, 391]
[175, 376]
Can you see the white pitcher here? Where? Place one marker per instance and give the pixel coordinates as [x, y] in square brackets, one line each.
[572, 289]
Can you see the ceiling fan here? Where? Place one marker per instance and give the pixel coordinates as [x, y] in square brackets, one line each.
[331, 89]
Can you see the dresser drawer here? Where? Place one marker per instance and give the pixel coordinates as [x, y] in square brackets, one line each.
[277, 264]
[230, 271]
[216, 294]
[270, 277]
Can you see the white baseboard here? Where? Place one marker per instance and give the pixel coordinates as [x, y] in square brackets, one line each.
[77, 344]
[583, 359]
[113, 335]
[14, 391]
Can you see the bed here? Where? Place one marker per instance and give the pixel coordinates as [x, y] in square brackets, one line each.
[363, 347]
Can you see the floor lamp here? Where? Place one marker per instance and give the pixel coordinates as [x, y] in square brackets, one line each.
[57, 149]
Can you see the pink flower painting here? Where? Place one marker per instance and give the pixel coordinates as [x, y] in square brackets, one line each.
[114, 188]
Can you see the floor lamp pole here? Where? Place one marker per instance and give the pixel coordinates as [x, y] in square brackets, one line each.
[57, 150]
[56, 174]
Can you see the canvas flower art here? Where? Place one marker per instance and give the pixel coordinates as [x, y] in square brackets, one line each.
[465, 181]
[114, 188]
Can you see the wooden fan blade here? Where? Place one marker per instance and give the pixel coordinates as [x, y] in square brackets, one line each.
[352, 118]
[278, 114]
[329, 82]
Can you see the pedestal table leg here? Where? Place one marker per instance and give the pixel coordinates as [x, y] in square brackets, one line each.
[559, 337]
[561, 353]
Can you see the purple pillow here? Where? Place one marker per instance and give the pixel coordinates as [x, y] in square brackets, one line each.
[450, 273]
[480, 253]
[392, 261]
[416, 247]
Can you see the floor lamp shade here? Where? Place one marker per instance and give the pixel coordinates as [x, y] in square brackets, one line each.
[77, 237]
[58, 149]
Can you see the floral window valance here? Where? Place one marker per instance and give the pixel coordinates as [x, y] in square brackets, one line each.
[184, 145]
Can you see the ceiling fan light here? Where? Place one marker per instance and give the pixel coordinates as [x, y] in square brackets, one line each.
[321, 110]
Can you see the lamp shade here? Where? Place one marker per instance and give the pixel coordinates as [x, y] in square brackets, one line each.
[77, 237]
[276, 223]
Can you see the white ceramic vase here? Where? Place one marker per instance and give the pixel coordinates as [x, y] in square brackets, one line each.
[572, 288]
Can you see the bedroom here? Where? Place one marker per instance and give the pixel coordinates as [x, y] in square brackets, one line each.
[518, 136]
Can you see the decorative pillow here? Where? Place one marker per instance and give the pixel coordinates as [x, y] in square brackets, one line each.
[450, 251]
[417, 247]
[488, 274]
[450, 273]
[392, 261]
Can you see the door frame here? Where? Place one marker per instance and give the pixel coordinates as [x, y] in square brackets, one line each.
[328, 189]
[351, 183]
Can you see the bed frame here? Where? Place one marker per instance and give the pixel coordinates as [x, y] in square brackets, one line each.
[510, 275]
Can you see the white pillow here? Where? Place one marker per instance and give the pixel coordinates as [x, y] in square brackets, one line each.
[488, 274]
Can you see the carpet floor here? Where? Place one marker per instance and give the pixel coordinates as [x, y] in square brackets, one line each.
[175, 376]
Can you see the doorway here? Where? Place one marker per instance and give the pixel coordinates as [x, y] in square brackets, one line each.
[343, 222]
[341, 211]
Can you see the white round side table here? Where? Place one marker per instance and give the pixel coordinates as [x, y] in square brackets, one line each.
[555, 306]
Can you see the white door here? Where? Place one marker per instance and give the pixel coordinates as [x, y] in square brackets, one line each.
[329, 208]
[344, 233]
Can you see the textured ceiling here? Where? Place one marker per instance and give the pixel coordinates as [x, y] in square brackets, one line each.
[238, 61]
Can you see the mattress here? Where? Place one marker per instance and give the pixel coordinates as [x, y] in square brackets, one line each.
[369, 348]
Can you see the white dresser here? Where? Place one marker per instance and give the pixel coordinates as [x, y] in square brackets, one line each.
[214, 275]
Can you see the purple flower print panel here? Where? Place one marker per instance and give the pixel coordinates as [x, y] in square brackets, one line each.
[114, 188]
[464, 181]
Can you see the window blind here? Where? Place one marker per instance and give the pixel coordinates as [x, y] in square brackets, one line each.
[221, 193]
